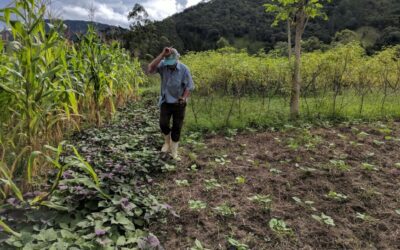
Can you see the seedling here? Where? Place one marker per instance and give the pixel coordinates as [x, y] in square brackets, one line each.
[237, 244]
[385, 131]
[362, 135]
[211, 184]
[378, 143]
[221, 160]
[275, 171]
[307, 169]
[193, 168]
[225, 210]
[231, 132]
[198, 246]
[197, 205]
[397, 165]
[364, 217]
[182, 183]
[356, 144]
[340, 164]
[369, 167]
[305, 203]
[192, 156]
[279, 227]
[168, 168]
[324, 219]
[263, 200]
[240, 180]
[336, 196]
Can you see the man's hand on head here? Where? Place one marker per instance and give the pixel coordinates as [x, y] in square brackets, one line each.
[167, 51]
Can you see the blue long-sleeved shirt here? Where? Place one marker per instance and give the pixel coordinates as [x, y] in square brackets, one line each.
[174, 82]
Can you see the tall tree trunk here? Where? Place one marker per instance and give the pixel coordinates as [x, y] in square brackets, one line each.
[296, 82]
[289, 31]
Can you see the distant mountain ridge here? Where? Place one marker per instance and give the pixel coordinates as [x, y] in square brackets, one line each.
[245, 24]
[80, 26]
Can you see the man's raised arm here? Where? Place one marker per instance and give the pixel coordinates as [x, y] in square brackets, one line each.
[152, 67]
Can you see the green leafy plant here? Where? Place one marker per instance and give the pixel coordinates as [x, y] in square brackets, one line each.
[264, 200]
[323, 218]
[307, 204]
[369, 167]
[182, 183]
[197, 205]
[238, 245]
[279, 227]
[222, 160]
[340, 164]
[169, 168]
[364, 217]
[212, 184]
[240, 180]
[337, 196]
[225, 210]
[198, 246]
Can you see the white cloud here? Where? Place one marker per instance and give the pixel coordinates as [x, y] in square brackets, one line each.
[115, 12]
[159, 9]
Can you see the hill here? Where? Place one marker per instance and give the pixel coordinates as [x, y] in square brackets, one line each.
[81, 27]
[245, 24]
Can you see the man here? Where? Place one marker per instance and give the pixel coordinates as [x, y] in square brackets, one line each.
[176, 85]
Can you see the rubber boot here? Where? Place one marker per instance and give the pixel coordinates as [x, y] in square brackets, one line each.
[174, 149]
[167, 144]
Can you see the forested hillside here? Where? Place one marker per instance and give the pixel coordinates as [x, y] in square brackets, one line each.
[245, 24]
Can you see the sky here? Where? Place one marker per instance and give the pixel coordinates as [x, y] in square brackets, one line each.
[114, 12]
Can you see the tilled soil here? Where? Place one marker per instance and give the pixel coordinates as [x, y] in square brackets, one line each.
[359, 165]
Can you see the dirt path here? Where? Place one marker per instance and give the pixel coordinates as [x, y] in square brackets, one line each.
[334, 188]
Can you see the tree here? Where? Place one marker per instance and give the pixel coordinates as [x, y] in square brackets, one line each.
[139, 16]
[222, 43]
[298, 12]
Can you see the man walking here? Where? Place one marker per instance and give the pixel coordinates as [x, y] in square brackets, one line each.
[176, 85]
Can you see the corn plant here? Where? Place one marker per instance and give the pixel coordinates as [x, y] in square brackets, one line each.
[47, 85]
